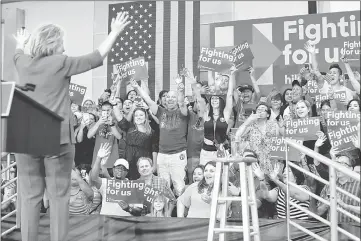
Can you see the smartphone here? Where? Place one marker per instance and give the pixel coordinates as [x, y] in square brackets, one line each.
[86, 117]
[83, 173]
[105, 114]
[346, 76]
[138, 99]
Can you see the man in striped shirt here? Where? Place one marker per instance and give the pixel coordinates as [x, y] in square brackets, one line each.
[347, 184]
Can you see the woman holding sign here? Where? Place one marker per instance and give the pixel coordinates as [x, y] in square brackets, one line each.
[51, 70]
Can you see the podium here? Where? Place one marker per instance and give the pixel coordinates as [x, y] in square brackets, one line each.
[27, 127]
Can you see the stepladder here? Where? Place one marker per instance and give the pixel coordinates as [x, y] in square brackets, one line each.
[249, 226]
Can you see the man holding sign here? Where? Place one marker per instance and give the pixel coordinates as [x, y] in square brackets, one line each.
[335, 74]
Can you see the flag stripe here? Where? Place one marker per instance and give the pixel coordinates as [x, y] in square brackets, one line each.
[188, 36]
[159, 50]
[181, 35]
[196, 36]
[152, 63]
[166, 44]
[173, 46]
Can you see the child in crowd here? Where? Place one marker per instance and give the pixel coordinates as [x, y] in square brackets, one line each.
[159, 206]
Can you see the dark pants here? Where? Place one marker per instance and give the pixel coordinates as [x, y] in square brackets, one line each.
[35, 173]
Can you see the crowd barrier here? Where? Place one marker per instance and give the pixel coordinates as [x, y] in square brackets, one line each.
[6, 172]
[98, 227]
[334, 209]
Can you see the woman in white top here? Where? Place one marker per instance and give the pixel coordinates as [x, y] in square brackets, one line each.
[197, 197]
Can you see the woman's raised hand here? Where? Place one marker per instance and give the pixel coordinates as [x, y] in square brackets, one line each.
[22, 37]
[120, 22]
[321, 139]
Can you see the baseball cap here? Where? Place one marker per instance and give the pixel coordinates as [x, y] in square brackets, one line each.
[122, 162]
[245, 87]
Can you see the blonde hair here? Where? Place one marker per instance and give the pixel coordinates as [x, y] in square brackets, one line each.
[46, 40]
[308, 105]
[148, 129]
[162, 198]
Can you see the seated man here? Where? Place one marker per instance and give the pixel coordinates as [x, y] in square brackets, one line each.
[145, 169]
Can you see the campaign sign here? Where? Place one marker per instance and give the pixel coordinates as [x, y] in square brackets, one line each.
[341, 125]
[278, 150]
[313, 89]
[133, 69]
[339, 98]
[242, 54]
[149, 194]
[332, 33]
[77, 93]
[304, 129]
[215, 60]
[132, 192]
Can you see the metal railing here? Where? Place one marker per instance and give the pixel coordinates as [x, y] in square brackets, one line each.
[6, 171]
[334, 209]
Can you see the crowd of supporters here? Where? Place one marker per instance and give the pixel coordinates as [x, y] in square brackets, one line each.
[170, 144]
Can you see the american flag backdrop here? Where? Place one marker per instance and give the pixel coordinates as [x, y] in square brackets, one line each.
[166, 34]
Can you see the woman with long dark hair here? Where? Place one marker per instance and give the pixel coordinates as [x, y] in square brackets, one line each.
[278, 194]
[216, 124]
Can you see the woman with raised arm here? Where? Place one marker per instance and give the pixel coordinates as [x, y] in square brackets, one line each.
[258, 131]
[50, 70]
[278, 195]
[216, 124]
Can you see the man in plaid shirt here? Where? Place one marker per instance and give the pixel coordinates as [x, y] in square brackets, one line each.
[347, 184]
[159, 184]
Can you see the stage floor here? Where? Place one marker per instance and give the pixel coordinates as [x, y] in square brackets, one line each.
[102, 228]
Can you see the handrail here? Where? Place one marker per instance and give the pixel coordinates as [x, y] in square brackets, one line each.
[322, 159]
[16, 211]
[9, 182]
[333, 166]
[324, 181]
[8, 167]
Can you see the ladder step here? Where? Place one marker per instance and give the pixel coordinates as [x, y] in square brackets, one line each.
[250, 202]
[232, 229]
[222, 199]
[229, 198]
[228, 230]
